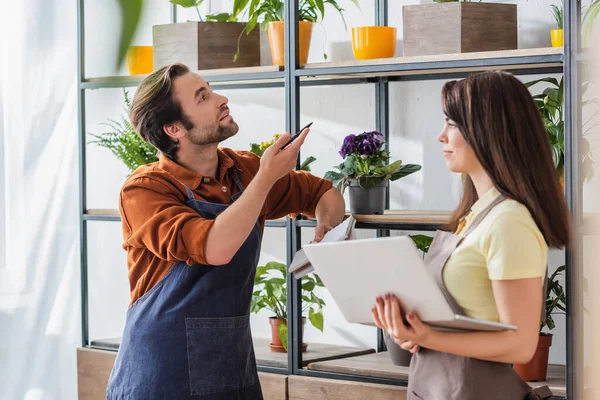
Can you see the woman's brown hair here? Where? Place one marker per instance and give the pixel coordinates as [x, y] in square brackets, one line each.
[499, 120]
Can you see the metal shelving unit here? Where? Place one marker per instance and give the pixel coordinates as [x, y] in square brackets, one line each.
[378, 73]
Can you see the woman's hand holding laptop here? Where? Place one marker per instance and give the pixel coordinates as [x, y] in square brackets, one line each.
[387, 316]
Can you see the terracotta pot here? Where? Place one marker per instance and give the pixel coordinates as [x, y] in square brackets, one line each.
[536, 369]
[277, 42]
[276, 345]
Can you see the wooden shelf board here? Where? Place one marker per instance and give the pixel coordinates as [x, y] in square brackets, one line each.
[487, 55]
[98, 211]
[409, 217]
[379, 365]
[265, 357]
[205, 72]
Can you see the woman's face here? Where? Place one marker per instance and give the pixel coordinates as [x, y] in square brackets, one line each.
[460, 157]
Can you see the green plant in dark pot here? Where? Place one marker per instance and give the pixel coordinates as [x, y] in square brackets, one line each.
[366, 172]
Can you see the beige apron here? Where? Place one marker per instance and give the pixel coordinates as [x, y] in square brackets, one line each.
[443, 376]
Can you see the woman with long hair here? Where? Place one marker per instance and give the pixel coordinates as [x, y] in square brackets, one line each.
[491, 260]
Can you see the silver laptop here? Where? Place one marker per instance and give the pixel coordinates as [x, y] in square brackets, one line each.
[357, 271]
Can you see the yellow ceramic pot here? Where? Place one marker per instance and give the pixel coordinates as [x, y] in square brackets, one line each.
[373, 42]
[140, 60]
[277, 44]
[557, 37]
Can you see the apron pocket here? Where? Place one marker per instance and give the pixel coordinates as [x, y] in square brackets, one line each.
[220, 354]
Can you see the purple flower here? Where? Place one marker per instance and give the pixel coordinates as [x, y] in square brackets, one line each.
[348, 146]
[368, 143]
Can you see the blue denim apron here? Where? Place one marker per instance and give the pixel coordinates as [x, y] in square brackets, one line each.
[189, 336]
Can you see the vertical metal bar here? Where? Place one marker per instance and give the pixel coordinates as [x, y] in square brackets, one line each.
[173, 17]
[82, 177]
[292, 117]
[573, 273]
[382, 124]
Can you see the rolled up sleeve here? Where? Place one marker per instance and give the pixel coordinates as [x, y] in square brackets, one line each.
[298, 192]
[156, 219]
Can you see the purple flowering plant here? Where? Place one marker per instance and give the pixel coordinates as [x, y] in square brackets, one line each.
[366, 160]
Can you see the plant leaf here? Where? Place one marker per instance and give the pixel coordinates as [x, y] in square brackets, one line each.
[220, 17]
[422, 242]
[283, 334]
[131, 10]
[405, 171]
[316, 318]
[308, 286]
[368, 182]
[306, 163]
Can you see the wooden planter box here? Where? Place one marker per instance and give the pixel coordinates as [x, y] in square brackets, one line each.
[457, 27]
[205, 45]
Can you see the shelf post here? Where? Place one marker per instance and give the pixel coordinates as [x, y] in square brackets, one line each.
[292, 118]
[382, 125]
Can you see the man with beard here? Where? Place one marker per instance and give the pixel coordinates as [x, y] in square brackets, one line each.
[192, 228]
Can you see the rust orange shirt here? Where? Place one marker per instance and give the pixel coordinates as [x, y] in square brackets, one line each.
[159, 229]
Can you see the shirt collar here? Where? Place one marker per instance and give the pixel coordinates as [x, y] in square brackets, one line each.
[485, 201]
[190, 178]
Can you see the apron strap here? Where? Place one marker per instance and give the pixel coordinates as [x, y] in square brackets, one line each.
[236, 179]
[484, 213]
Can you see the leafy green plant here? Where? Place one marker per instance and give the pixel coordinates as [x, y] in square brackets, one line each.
[266, 11]
[238, 7]
[270, 294]
[550, 104]
[557, 13]
[365, 159]
[259, 149]
[125, 143]
[555, 298]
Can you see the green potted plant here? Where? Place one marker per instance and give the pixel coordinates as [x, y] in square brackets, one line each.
[366, 172]
[215, 41]
[269, 13]
[537, 368]
[550, 104]
[557, 35]
[259, 149]
[469, 26]
[125, 143]
[270, 294]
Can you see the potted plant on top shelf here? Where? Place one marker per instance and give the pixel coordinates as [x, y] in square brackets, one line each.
[537, 368]
[557, 35]
[366, 172]
[468, 27]
[215, 41]
[269, 13]
[270, 294]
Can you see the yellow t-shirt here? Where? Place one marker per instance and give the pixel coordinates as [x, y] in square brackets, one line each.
[507, 244]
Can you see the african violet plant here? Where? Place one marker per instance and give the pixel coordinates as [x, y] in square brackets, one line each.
[365, 160]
